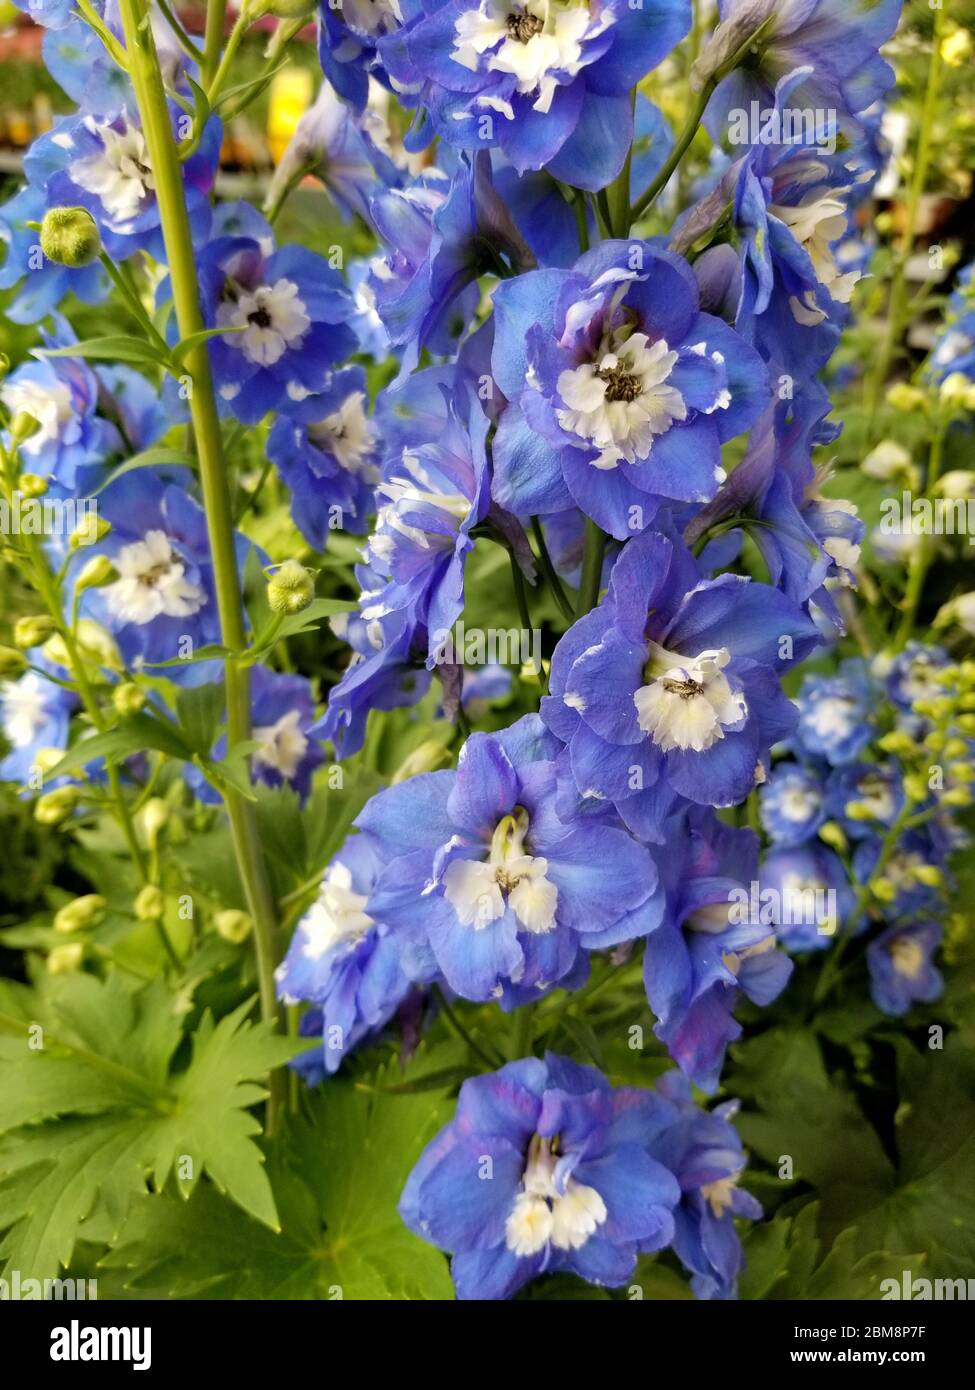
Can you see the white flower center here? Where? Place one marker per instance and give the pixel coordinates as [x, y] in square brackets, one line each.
[282, 745]
[272, 317]
[798, 803]
[817, 222]
[151, 582]
[50, 406]
[907, 955]
[24, 709]
[408, 493]
[834, 716]
[348, 434]
[337, 916]
[720, 1194]
[689, 704]
[479, 891]
[530, 41]
[621, 401]
[541, 1213]
[119, 174]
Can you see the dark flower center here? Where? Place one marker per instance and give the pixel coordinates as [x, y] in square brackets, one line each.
[523, 27]
[260, 317]
[621, 385]
[685, 689]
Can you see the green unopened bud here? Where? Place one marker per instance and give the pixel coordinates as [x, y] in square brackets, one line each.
[901, 396]
[83, 912]
[935, 741]
[963, 772]
[429, 757]
[291, 588]
[860, 811]
[54, 807]
[832, 834]
[966, 723]
[884, 891]
[958, 798]
[128, 698]
[897, 742]
[23, 426]
[955, 748]
[937, 708]
[233, 925]
[66, 959]
[32, 485]
[150, 905]
[95, 573]
[47, 759]
[916, 787]
[281, 9]
[155, 814]
[12, 662]
[930, 875]
[33, 631]
[70, 236]
[90, 529]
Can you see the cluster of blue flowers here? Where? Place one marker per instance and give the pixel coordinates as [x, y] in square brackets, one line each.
[563, 370]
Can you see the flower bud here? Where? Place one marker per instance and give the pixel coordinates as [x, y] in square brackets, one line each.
[291, 588]
[916, 787]
[832, 834]
[12, 662]
[955, 748]
[884, 891]
[282, 9]
[233, 925]
[93, 528]
[956, 389]
[930, 875]
[429, 757]
[956, 48]
[32, 485]
[66, 959]
[128, 698]
[150, 904]
[901, 396]
[966, 723]
[888, 460]
[23, 427]
[83, 912]
[69, 236]
[53, 807]
[95, 573]
[963, 772]
[33, 631]
[897, 742]
[860, 811]
[958, 798]
[957, 484]
[155, 814]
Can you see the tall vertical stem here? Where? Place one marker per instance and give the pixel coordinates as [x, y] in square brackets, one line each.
[157, 128]
[213, 40]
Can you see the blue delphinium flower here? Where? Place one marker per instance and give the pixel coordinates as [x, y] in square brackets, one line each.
[837, 43]
[282, 714]
[324, 450]
[343, 961]
[163, 604]
[441, 232]
[810, 895]
[836, 713]
[433, 491]
[954, 350]
[914, 673]
[103, 165]
[289, 310]
[35, 714]
[865, 798]
[705, 1152]
[506, 894]
[348, 36]
[544, 1168]
[923, 848]
[61, 393]
[549, 82]
[671, 685]
[712, 944]
[621, 391]
[902, 970]
[792, 805]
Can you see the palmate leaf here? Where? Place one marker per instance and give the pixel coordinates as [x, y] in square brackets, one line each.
[336, 1178]
[94, 1109]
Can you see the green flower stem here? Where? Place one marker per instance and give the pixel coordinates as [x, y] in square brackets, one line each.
[522, 1033]
[131, 298]
[551, 576]
[213, 40]
[94, 21]
[181, 36]
[592, 568]
[921, 559]
[151, 99]
[898, 284]
[241, 26]
[676, 154]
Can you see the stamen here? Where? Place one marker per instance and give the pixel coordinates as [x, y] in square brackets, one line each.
[621, 385]
[523, 27]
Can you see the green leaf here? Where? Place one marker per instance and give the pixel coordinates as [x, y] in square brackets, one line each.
[139, 732]
[114, 347]
[149, 458]
[186, 345]
[337, 1179]
[93, 1109]
[200, 711]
